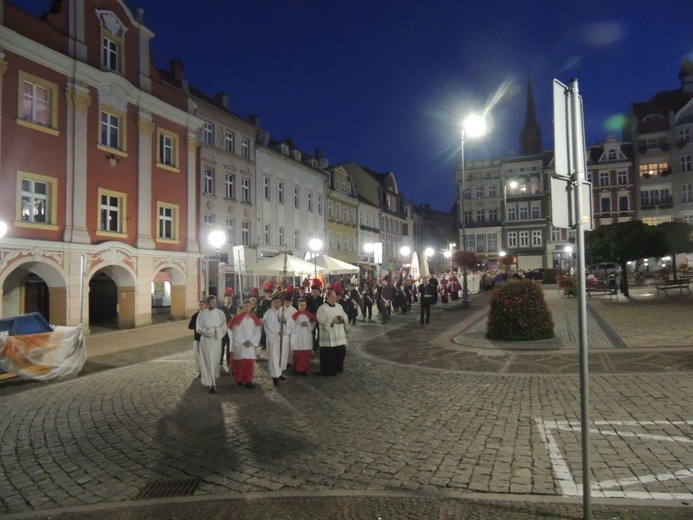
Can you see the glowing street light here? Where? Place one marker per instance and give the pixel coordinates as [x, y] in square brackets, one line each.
[405, 250]
[315, 245]
[217, 238]
[429, 252]
[473, 126]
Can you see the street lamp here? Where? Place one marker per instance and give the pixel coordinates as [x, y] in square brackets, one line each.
[502, 255]
[473, 126]
[217, 238]
[405, 250]
[315, 245]
[569, 250]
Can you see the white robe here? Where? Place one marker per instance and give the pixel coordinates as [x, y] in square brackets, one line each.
[302, 336]
[277, 340]
[247, 329]
[332, 334]
[211, 324]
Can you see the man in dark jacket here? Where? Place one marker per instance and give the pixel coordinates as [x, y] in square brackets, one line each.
[386, 297]
[427, 293]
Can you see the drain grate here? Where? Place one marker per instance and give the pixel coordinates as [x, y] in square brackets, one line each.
[169, 488]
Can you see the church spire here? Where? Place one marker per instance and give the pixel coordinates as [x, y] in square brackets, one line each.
[530, 137]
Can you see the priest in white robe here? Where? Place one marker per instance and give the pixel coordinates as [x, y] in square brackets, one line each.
[211, 325]
[276, 322]
[332, 321]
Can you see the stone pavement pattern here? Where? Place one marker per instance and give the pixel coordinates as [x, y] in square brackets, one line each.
[380, 427]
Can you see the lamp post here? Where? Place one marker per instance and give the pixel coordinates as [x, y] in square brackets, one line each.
[315, 245]
[473, 126]
[217, 238]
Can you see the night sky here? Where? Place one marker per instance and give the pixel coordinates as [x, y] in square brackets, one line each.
[384, 83]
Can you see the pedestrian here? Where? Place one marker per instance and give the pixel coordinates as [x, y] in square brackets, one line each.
[230, 311]
[211, 325]
[332, 322]
[196, 335]
[276, 325]
[302, 338]
[427, 292]
[386, 297]
[367, 302]
[246, 329]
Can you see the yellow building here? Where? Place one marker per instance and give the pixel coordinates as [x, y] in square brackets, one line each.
[342, 211]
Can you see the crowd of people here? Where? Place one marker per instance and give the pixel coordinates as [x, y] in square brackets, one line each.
[293, 324]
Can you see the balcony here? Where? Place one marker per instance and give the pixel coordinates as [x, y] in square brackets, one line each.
[662, 203]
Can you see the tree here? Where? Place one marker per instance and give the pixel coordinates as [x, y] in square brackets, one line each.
[623, 242]
[677, 238]
[465, 259]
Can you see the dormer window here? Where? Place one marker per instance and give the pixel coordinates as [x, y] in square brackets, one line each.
[112, 41]
[285, 149]
[611, 156]
[297, 155]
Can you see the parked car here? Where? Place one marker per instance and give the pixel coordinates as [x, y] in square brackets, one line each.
[535, 274]
[603, 270]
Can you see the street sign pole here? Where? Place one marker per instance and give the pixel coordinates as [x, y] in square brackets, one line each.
[574, 211]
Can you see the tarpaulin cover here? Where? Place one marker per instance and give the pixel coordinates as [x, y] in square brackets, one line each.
[59, 354]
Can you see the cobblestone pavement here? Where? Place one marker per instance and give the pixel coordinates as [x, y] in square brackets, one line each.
[429, 438]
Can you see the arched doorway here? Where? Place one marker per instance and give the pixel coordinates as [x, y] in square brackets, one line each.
[169, 295]
[112, 298]
[35, 287]
[103, 301]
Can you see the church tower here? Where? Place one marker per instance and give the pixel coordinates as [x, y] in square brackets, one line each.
[530, 137]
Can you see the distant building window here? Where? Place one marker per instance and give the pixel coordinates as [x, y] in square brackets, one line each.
[266, 187]
[687, 193]
[228, 141]
[524, 238]
[686, 163]
[245, 232]
[245, 148]
[524, 213]
[319, 204]
[267, 234]
[112, 211]
[623, 205]
[297, 199]
[604, 179]
[110, 130]
[605, 205]
[492, 191]
[536, 211]
[480, 192]
[622, 177]
[245, 190]
[168, 221]
[231, 231]
[280, 192]
[537, 238]
[111, 52]
[230, 186]
[512, 238]
[168, 149]
[310, 201]
[512, 213]
[685, 135]
[209, 134]
[611, 155]
[654, 169]
[38, 103]
[208, 176]
[37, 199]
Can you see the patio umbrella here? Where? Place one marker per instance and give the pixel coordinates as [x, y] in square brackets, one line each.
[284, 264]
[425, 271]
[415, 270]
[335, 266]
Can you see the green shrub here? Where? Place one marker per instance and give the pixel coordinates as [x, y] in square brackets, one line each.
[519, 312]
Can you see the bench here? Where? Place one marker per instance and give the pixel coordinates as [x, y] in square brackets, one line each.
[679, 284]
[601, 288]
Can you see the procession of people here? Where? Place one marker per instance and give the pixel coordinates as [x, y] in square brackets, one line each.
[295, 324]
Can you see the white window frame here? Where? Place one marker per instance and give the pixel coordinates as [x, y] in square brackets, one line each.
[245, 147]
[245, 233]
[280, 192]
[537, 238]
[524, 238]
[512, 238]
[266, 188]
[167, 228]
[231, 186]
[245, 190]
[208, 178]
[231, 231]
[229, 141]
[297, 197]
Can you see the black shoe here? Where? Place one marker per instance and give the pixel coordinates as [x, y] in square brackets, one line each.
[250, 385]
[304, 373]
[282, 378]
[275, 381]
[211, 390]
[288, 365]
[239, 384]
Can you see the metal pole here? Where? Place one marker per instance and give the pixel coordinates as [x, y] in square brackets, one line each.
[579, 163]
[465, 286]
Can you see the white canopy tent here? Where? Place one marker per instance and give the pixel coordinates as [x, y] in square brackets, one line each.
[425, 271]
[415, 269]
[335, 266]
[284, 265]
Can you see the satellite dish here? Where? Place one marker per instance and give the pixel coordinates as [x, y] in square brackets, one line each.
[324, 163]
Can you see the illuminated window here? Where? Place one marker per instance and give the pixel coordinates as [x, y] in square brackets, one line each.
[168, 221]
[38, 104]
[168, 150]
[112, 212]
[654, 169]
[36, 200]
